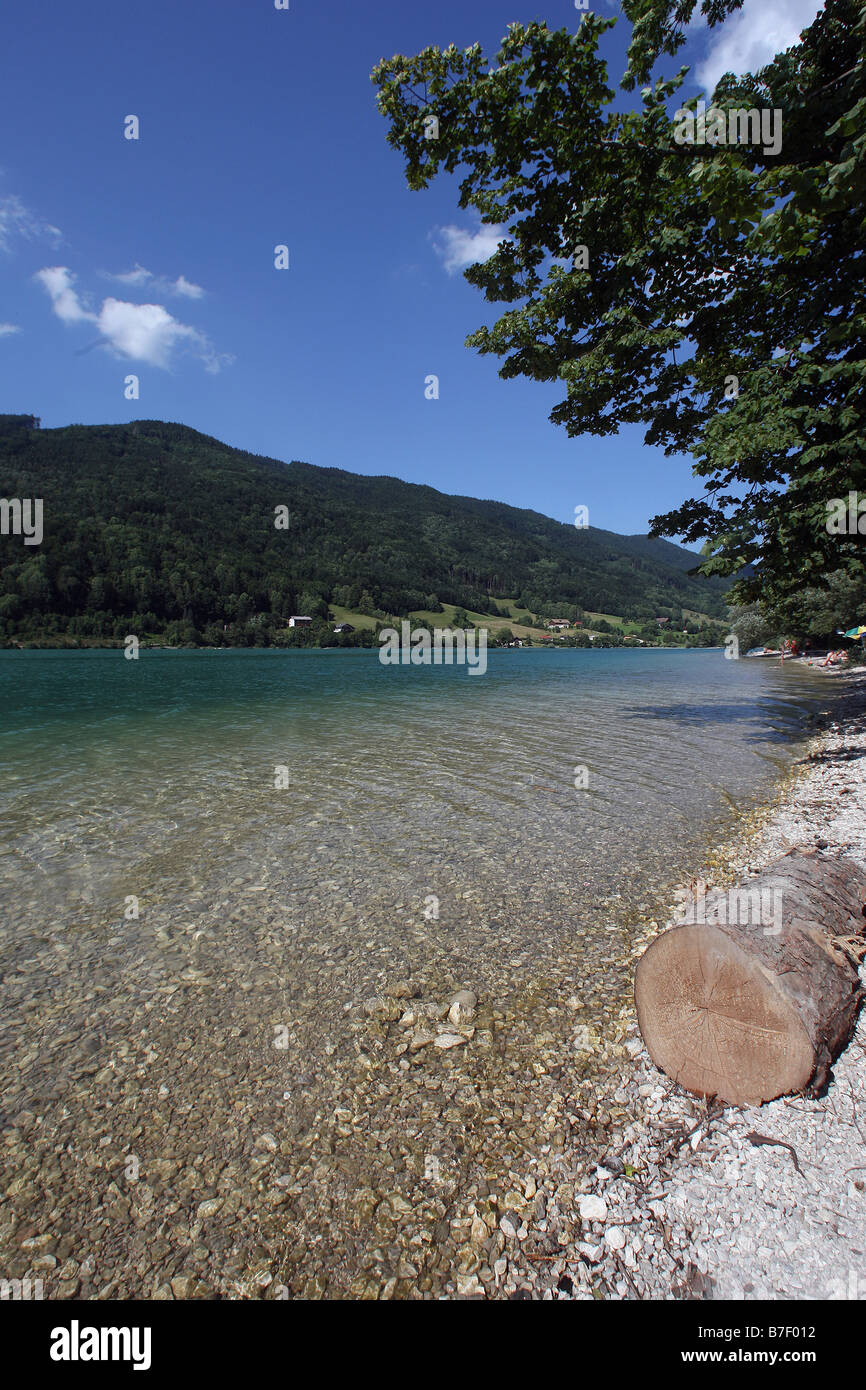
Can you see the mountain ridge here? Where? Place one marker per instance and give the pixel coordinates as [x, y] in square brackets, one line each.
[152, 523]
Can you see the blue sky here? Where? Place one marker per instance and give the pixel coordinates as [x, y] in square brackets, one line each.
[259, 127]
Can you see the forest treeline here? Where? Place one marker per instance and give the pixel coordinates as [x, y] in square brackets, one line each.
[156, 529]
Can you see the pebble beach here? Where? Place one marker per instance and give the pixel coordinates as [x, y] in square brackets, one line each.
[422, 1132]
[758, 1203]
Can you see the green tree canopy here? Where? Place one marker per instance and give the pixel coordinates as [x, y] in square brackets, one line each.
[712, 293]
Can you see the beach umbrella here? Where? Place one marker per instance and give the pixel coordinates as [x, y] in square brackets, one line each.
[855, 631]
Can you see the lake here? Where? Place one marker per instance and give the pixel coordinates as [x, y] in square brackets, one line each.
[227, 875]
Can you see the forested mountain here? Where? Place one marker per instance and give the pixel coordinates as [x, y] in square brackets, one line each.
[154, 528]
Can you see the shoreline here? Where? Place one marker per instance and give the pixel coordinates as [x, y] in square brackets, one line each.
[762, 1202]
[524, 1148]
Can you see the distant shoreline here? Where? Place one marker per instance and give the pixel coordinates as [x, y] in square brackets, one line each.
[116, 646]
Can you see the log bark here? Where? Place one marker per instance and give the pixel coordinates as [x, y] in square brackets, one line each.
[755, 991]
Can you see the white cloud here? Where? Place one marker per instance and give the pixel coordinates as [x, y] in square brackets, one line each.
[7, 328]
[68, 306]
[460, 247]
[18, 221]
[142, 332]
[157, 284]
[186, 288]
[752, 37]
[138, 276]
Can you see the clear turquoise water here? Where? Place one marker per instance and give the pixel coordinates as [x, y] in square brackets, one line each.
[268, 914]
[144, 777]
[156, 779]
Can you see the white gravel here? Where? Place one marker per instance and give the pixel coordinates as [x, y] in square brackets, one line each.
[721, 1216]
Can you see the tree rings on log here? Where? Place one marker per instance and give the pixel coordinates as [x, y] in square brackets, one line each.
[747, 1005]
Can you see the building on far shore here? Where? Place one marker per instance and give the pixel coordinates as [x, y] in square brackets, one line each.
[558, 624]
[300, 621]
[344, 627]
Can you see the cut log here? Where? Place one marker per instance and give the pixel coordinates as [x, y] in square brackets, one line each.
[755, 992]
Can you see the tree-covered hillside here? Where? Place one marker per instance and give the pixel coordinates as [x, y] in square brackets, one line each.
[154, 528]
[665, 265]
